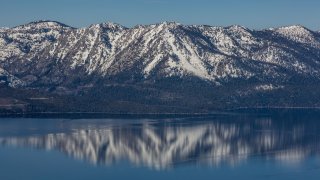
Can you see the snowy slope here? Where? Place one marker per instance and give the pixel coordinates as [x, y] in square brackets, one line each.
[48, 49]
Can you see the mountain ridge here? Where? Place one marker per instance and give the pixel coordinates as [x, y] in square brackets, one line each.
[163, 63]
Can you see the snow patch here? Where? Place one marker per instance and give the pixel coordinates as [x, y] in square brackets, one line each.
[268, 87]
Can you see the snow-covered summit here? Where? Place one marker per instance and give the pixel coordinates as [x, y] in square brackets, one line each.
[298, 33]
[42, 24]
[108, 25]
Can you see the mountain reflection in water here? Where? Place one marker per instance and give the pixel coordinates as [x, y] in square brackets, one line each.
[167, 143]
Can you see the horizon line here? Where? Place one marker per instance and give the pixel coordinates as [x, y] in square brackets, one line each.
[161, 22]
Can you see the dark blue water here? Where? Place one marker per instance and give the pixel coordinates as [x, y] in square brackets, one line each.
[277, 146]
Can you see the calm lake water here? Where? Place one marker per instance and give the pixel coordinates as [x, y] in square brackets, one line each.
[235, 146]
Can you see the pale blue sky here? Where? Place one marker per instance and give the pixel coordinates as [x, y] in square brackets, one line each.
[255, 14]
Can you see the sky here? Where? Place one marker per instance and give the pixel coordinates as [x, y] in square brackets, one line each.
[255, 14]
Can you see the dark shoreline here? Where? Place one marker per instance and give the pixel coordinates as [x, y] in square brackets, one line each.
[282, 111]
[102, 115]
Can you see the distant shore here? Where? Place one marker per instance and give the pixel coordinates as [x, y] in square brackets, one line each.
[228, 112]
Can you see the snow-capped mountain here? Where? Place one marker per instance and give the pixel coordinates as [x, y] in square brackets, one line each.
[49, 54]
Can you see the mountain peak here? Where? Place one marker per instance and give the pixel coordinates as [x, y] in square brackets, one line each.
[48, 22]
[108, 25]
[293, 29]
[42, 24]
[297, 33]
[164, 24]
[169, 24]
[238, 28]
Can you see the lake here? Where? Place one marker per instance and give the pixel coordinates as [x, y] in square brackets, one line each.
[222, 146]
